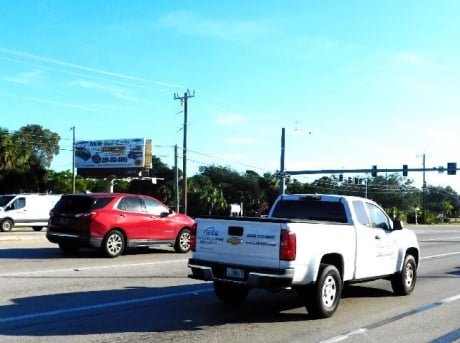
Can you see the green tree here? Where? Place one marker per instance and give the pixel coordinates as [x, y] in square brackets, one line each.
[25, 156]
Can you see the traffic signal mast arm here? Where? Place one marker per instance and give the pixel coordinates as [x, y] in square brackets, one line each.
[363, 171]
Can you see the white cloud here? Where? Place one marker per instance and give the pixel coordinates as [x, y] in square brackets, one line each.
[239, 140]
[230, 119]
[27, 78]
[409, 57]
[114, 91]
[236, 30]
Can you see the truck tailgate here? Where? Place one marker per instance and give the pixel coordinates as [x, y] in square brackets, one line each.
[239, 241]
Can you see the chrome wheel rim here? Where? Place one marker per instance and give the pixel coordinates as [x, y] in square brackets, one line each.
[329, 291]
[114, 244]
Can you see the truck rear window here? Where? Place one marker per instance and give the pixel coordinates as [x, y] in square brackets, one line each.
[310, 210]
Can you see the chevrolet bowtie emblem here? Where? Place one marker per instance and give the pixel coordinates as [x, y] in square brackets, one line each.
[234, 241]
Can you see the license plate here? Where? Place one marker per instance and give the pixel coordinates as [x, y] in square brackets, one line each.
[235, 273]
[62, 220]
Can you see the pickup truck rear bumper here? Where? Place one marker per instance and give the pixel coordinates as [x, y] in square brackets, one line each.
[254, 277]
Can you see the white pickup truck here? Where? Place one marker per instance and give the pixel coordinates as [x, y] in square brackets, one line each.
[311, 243]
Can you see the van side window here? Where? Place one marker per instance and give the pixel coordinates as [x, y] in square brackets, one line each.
[18, 204]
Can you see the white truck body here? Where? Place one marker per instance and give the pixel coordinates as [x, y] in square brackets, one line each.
[26, 210]
[352, 234]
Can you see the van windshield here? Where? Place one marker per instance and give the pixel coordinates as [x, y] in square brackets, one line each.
[5, 199]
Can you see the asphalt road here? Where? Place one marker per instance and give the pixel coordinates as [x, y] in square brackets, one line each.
[145, 296]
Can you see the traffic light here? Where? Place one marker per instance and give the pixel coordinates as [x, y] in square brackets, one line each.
[374, 171]
[405, 169]
[451, 168]
[340, 177]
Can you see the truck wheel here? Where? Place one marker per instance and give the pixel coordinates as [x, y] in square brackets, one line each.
[230, 293]
[37, 228]
[322, 299]
[403, 283]
[68, 248]
[114, 244]
[182, 244]
[6, 225]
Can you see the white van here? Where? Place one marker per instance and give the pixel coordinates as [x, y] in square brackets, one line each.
[30, 210]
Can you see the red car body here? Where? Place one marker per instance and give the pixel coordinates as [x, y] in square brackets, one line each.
[113, 222]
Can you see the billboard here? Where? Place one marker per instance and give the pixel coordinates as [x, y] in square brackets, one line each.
[113, 154]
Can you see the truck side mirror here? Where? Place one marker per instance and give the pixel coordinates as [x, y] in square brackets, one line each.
[398, 225]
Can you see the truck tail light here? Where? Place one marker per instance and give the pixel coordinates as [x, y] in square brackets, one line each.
[288, 245]
[193, 237]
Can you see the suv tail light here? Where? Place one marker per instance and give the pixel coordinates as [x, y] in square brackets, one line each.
[86, 215]
[288, 245]
[193, 237]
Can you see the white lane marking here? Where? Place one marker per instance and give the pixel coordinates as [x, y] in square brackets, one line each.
[439, 239]
[101, 306]
[384, 322]
[46, 271]
[440, 255]
[346, 336]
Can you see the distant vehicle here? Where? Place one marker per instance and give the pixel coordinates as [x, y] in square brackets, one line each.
[26, 210]
[113, 222]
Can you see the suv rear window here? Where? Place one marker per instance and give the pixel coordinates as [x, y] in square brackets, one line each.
[79, 204]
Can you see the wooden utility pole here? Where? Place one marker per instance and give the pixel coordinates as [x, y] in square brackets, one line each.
[184, 101]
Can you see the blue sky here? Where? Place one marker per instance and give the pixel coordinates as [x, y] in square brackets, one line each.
[355, 83]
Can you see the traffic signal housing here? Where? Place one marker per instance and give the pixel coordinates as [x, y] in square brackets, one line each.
[451, 168]
[374, 171]
[405, 169]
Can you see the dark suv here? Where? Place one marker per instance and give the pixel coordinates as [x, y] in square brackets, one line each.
[113, 222]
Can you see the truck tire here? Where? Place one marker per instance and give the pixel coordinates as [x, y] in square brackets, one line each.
[230, 293]
[403, 283]
[322, 299]
[113, 244]
[37, 228]
[6, 225]
[182, 244]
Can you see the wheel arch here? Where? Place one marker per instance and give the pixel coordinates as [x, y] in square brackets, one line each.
[117, 228]
[414, 252]
[336, 260]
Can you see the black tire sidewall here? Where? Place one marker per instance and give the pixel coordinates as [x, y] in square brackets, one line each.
[399, 280]
[314, 300]
[10, 226]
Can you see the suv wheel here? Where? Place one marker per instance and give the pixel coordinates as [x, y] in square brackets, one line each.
[182, 244]
[113, 244]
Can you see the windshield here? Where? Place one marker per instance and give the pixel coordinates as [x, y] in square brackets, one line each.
[5, 199]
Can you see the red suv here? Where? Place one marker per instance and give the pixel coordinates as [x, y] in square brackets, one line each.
[113, 222]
